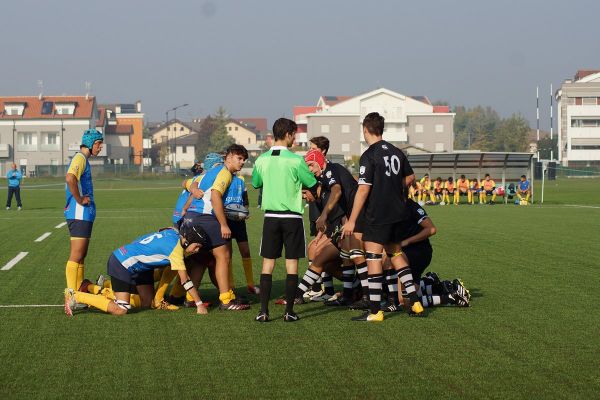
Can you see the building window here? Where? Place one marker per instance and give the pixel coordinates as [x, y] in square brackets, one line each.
[345, 147]
[586, 147]
[168, 128]
[183, 149]
[27, 141]
[585, 123]
[439, 147]
[181, 129]
[420, 145]
[236, 128]
[439, 128]
[324, 128]
[51, 138]
[229, 128]
[419, 128]
[249, 140]
[588, 101]
[345, 128]
[13, 111]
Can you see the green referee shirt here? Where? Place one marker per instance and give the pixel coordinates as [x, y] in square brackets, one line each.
[281, 174]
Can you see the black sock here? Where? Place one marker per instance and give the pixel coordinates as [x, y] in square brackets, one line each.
[309, 278]
[375, 288]
[391, 278]
[327, 283]
[348, 278]
[363, 275]
[266, 282]
[405, 276]
[291, 283]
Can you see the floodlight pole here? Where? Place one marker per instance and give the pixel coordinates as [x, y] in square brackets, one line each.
[543, 181]
[174, 109]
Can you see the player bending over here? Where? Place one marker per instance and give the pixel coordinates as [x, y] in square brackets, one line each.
[131, 268]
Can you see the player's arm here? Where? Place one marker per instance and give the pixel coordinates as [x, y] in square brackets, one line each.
[187, 205]
[334, 198]
[220, 186]
[177, 264]
[257, 181]
[362, 194]
[428, 230]
[195, 190]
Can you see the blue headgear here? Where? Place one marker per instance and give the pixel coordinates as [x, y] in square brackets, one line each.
[211, 159]
[89, 137]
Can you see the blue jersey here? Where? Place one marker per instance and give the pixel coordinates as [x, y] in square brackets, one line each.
[524, 186]
[183, 197]
[151, 251]
[80, 167]
[218, 178]
[235, 192]
[14, 177]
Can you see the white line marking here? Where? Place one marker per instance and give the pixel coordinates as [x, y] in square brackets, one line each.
[14, 261]
[30, 305]
[580, 206]
[61, 225]
[44, 236]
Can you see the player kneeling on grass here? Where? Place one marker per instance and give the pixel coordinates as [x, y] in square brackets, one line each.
[417, 252]
[131, 268]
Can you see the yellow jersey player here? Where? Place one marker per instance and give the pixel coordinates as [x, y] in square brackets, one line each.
[449, 190]
[475, 190]
[80, 208]
[462, 186]
[438, 191]
[488, 188]
[425, 193]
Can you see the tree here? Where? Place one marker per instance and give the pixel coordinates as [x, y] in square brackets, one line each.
[474, 128]
[219, 139]
[545, 145]
[204, 133]
[511, 135]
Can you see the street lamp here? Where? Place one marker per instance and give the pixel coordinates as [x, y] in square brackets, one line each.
[174, 109]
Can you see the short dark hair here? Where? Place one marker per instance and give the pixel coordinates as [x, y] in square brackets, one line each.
[523, 176]
[486, 175]
[374, 123]
[321, 142]
[238, 150]
[463, 177]
[282, 127]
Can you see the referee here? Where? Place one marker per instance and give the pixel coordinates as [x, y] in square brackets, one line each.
[282, 175]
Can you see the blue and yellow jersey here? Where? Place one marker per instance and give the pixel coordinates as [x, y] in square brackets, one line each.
[80, 167]
[235, 192]
[218, 178]
[524, 186]
[151, 251]
[183, 197]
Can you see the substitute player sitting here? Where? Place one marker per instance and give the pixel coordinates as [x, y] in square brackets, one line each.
[488, 187]
[438, 191]
[131, 268]
[475, 190]
[462, 186]
[425, 192]
[449, 190]
[523, 190]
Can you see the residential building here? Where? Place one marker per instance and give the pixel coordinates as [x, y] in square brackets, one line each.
[242, 133]
[126, 121]
[409, 121]
[172, 130]
[44, 130]
[578, 105]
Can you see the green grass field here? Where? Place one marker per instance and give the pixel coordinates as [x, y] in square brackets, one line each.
[531, 332]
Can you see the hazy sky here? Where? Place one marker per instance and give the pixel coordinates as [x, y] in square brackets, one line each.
[260, 58]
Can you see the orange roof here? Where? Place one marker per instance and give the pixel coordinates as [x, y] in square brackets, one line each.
[299, 110]
[33, 107]
[582, 73]
[441, 109]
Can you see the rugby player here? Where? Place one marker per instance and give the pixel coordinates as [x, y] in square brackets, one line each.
[384, 178]
[80, 208]
[488, 188]
[524, 190]
[131, 269]
[449, 190]
[462, 186]
[438, 191]
[425, 192]
[475, 190]
[282, 174]
[208, 212]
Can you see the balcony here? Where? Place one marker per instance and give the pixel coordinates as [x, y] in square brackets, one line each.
[50, 147]
[4, 150]
[27, 147]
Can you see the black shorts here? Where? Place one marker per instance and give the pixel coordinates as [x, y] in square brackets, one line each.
[238, 230]
[419, 257]
[359, 227]
[489, 192]
[383, 234]
[124, 281]
[333, 225]
[463, 193]
[280, 231]
[79, 228]
[211, 226]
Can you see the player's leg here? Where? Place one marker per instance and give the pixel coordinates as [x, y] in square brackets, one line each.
[405, 276]
[271, 246]
[391, 280]
[222, 258]
[294, 242]
[244, 248]
[374, 259]
[166, 277]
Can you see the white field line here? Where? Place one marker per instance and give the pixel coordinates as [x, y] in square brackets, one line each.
[14, 261]
[44, 236]
[30, 305]
[61, 225]
[580, 206]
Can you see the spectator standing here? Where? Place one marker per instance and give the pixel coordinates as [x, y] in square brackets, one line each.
[14, 177]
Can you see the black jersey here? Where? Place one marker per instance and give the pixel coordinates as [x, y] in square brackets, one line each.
[336, 174]
[384, 167]
[316, 208]
[411, 226]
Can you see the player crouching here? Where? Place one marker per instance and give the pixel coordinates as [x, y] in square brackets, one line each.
[131, 268]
